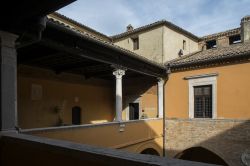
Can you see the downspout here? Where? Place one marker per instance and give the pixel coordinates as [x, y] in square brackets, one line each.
[164, 112]
[162, 57]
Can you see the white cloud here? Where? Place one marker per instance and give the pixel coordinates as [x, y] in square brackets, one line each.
[200, 17]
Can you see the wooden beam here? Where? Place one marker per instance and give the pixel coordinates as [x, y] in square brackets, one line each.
[78, 65]
[114, 58]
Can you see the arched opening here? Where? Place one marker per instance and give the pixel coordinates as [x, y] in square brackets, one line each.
[201, 155]
[150, 151]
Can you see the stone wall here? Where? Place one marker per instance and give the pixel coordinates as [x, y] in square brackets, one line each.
[228, 139]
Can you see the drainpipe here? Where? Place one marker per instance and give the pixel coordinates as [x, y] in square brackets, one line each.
[164, 112]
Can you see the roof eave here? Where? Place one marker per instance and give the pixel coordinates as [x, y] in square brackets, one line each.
[161, 71]
[161, 23]
[208, 62]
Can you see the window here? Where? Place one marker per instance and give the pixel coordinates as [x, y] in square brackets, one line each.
[234, 39]
[203, 101]
[202, 95]
[211, 44]
[184, 45]
[135, 43]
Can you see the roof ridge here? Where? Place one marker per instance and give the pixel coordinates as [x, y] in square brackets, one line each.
[222, 33]
[138, 28]
[156, 23]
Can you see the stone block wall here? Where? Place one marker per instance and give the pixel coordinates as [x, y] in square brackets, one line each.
[229, 139]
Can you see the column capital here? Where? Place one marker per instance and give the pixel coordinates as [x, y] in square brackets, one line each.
[118, 73]
[161, 81]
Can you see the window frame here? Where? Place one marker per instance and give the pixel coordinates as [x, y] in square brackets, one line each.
[184, 45]
[203, 100]
[135, 40]
[202, 81]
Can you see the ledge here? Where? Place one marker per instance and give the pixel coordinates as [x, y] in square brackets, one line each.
[200, 76]
[84, 125]
[208, 119]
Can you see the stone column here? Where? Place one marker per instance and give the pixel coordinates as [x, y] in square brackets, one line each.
[160, 97]
[8, 70]
[118, 73]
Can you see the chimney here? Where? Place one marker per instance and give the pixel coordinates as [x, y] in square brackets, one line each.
[245, 29]
[130, 28]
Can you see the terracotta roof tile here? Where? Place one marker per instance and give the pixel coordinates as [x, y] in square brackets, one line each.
[108, 44]
[81, 25]
[230, 32]
[232, 51]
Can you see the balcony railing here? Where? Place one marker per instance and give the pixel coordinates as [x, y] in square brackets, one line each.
[119, 135]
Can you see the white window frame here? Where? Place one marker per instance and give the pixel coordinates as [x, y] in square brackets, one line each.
[133, 101]
[201, 81]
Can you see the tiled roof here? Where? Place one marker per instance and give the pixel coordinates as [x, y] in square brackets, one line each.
[81, 25]
[212, 55]
[230, 32]
[107, 44]
[153, 25]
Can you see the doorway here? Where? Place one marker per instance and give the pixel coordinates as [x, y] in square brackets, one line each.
[76, 115]
[133, 111]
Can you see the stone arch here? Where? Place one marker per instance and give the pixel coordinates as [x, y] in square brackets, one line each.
[150, 151]
[149, 148]
[201, 154]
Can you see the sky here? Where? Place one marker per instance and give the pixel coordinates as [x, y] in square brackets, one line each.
[200, 17]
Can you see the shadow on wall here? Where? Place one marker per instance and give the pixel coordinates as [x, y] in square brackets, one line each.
[202, 155]
[141, 90]
[224, 142]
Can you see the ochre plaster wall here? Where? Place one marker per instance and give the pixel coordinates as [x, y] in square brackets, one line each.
[95, 98]
[133, 136]
[233, 92]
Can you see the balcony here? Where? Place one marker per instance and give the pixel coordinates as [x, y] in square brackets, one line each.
[134, 136]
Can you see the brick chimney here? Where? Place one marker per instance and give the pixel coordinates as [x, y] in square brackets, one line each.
[245, 29]
[130, 28]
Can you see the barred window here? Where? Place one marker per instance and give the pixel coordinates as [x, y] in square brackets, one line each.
[203, 101]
